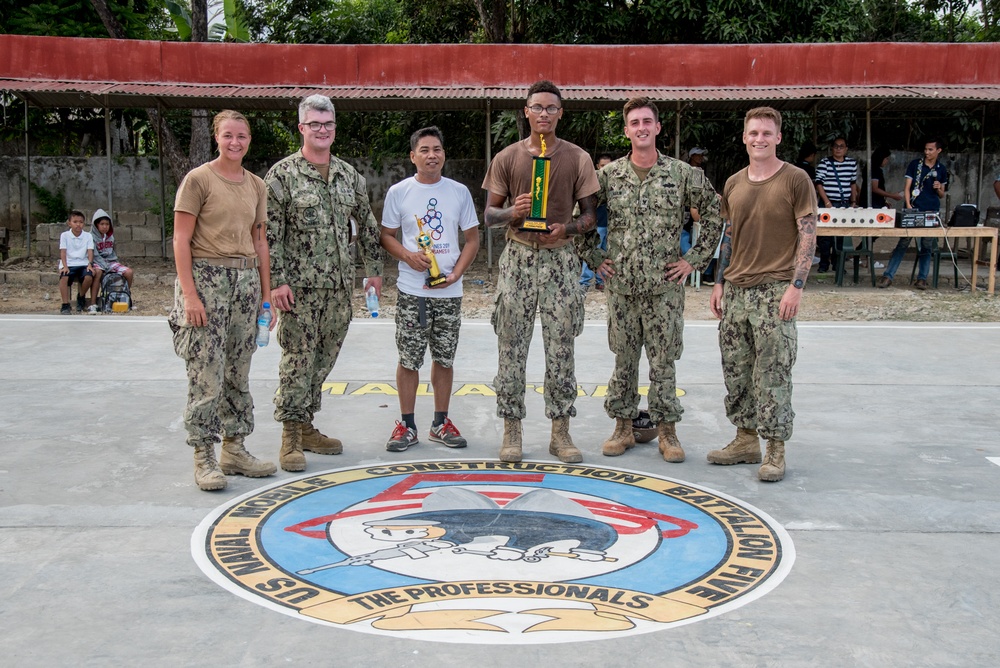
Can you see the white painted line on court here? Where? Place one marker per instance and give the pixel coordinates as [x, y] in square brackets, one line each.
[995, 460]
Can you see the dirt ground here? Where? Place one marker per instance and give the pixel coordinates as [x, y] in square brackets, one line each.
[823, 300]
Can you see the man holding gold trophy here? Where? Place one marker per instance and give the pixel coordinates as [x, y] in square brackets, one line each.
[429, 210]
[532, 187]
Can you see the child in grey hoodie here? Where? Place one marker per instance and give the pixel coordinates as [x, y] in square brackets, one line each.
[105, 258]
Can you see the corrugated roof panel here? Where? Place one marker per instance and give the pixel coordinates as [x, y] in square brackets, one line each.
[172, 95]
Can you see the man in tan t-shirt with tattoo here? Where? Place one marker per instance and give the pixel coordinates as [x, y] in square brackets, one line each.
[767, 250]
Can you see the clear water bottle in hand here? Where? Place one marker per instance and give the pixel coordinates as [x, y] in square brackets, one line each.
[371, 299]
[264, 325]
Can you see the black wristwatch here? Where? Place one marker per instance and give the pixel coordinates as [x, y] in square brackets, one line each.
[798, 283]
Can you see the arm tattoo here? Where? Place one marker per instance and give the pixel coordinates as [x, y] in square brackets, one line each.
[806, 248]
[588, 216]
[495, 216]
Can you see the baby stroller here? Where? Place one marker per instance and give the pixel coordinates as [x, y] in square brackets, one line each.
[115, 290]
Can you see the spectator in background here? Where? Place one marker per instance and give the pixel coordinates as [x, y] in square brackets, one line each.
[587, 274]
[880, 159]
[926, 181]
[837, 187]
[697, 157]
[807, 160]
[105, 258]
[76, 261]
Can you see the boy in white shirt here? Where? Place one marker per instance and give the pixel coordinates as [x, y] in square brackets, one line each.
[428, 316]
[76, 260]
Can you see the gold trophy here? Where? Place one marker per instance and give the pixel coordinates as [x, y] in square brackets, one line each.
[435, 276]
[540, 168]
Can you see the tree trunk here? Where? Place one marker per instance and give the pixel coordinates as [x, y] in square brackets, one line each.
[493, 17]
[200, 150]
[111, 24]
[175, 161]
[199, 20]
[201, 138]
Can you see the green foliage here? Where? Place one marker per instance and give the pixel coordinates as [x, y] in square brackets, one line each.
[180, 14]
[226, 20]
[56, 207]
[441, 21]
[141, 19]
[382, 135]
[504, 130]
[327, 21]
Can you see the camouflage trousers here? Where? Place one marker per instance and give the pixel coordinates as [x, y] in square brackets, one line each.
[423, 322]
[543, 281]
[218, 355]
[758, 352]
[655, 322]
[311, 335]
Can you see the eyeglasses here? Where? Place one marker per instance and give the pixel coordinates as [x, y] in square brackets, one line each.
[840, 145]
[315, 126]
[551, 110]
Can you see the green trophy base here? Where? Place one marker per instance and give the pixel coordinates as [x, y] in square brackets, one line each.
[539, 225]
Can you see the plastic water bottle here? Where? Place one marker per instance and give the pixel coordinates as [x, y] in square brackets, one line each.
[371, 299]
[264, 325]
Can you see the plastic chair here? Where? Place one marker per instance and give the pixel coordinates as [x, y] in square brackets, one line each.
[936, 254]
[846, 249]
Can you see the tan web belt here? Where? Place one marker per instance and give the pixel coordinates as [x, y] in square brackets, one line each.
[231, 262]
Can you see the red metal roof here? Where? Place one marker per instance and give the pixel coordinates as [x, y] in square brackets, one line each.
[51, 71]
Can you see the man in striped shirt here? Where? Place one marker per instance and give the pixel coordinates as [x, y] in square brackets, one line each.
[837, 188]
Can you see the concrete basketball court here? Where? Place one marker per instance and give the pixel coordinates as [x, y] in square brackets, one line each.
[892, 498]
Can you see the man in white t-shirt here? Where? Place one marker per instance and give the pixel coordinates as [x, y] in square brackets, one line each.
[76, 260]
[425, 315]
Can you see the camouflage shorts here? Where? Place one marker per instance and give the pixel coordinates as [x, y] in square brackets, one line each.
[437, 326]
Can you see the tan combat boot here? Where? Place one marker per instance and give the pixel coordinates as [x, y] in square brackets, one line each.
[510, 449]
[561, 445]
[670, 447]
[744, 449]
[291, 457]
[622, 439]
[236, 460]
[773, 468]
[206, 470]
[315, 441]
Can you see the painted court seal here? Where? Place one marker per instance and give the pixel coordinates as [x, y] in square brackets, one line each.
[489, 552]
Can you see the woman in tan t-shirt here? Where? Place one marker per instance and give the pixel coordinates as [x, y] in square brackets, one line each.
[223, 279]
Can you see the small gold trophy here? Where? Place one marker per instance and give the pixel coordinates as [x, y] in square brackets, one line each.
[435, 276]
[540, 167]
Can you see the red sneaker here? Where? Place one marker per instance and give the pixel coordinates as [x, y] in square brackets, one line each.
[402, 438]
[447, 433]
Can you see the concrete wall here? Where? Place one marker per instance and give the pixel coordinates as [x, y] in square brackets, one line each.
[136, 193]
[137, 234]
[137, 186]
[84, 182]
